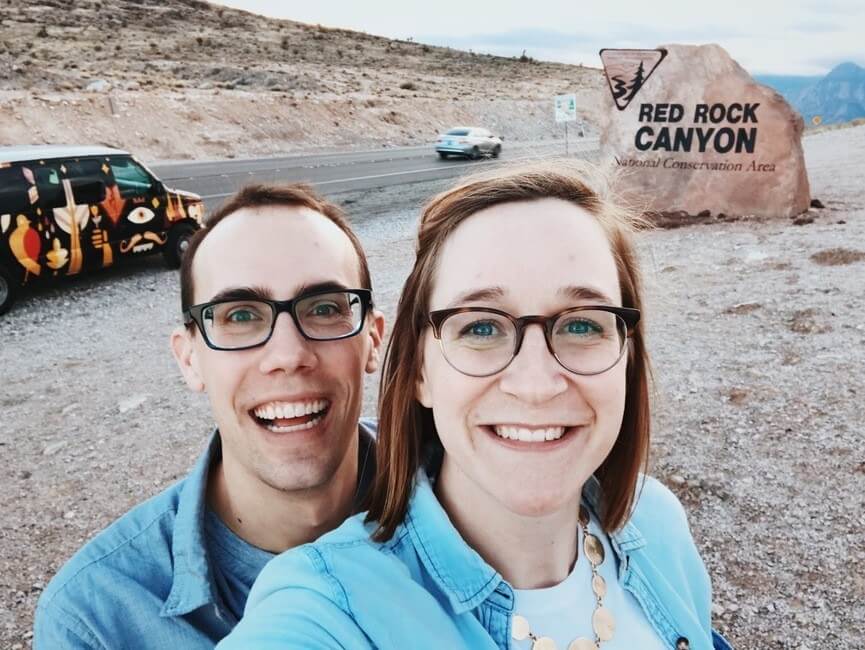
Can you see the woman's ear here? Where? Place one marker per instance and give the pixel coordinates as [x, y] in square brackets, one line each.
[422, 390]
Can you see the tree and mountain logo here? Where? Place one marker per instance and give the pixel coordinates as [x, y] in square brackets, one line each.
[628, 70]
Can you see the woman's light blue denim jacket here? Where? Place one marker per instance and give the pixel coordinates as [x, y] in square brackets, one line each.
[425, 588]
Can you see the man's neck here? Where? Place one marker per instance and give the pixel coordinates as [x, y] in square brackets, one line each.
[529, 552]
[277, 520]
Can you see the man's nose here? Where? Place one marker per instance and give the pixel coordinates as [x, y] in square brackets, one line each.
[534, 376]
[287, 348]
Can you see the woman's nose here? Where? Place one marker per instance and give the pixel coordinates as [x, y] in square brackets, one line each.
[534, 376]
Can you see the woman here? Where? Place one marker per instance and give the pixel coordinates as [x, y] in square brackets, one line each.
[510, 511]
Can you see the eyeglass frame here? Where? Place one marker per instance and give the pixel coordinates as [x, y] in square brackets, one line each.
[192, 315]
[629, 315]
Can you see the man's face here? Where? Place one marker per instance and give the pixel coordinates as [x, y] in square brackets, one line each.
[313, 388]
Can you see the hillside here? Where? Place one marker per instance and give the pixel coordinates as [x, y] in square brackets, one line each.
[188, 79]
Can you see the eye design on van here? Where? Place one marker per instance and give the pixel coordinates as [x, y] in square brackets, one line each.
[141, 215]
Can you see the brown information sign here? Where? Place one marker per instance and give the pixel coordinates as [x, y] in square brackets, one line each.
[692, 131]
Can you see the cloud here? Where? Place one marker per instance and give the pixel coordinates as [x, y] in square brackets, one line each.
[818, 27]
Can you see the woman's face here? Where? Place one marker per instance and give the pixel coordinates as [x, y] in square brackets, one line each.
[528, 257]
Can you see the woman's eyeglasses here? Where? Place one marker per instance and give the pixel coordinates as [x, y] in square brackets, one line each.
[480, 342]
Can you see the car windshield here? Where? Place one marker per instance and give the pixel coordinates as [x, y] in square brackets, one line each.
[458, 132]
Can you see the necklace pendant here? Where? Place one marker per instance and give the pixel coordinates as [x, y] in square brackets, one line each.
[582, 644]
[544, 643]
[519, 628]
[603, 623]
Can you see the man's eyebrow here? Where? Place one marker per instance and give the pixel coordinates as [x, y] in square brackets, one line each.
[477, 295]
[263, 293]
[243, 293]
[585, 293]
[329, 285]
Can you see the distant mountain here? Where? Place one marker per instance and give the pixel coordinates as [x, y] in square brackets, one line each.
[792, 88]
[837, 97]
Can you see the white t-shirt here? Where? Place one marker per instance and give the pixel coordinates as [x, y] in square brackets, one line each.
[564, 611]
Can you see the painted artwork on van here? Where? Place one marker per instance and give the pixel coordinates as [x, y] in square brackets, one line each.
[64, 217]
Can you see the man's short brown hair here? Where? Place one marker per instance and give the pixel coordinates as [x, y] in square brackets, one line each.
[261, 196]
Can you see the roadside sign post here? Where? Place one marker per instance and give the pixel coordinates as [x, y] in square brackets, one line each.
[566, 111]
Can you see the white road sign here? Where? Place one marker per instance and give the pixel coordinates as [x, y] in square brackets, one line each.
[566, 108]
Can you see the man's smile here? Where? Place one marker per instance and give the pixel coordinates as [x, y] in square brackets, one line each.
[287, 417]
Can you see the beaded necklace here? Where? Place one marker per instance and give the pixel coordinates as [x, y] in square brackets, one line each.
[603, 623]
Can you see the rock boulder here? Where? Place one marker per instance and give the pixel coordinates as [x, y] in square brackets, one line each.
[689, 130]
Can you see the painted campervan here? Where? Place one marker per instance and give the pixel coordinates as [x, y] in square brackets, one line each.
[67, 210]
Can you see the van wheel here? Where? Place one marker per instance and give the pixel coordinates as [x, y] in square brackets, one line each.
[475, 154]
[496, 151]
[178, 242]
[8, 289]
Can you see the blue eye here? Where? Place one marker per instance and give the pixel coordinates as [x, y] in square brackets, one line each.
[479, 329]
[324, 310]
[582, 327]
[242, 316]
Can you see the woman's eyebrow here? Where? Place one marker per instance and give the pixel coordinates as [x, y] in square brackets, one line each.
[477, 295]
[575, 292]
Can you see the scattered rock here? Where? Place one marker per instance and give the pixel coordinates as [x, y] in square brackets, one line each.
[98, 86]
[131, 403]
[743, 308]
[810, 321]
[54, 447]
[837, 257]
[803, 220]
[817, 203]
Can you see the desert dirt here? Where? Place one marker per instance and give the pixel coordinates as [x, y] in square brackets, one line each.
[759, 352]
[755, 327]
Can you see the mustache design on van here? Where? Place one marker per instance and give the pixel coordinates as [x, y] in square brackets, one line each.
[136, 239]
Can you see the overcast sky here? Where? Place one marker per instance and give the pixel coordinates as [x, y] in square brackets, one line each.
[806, 37]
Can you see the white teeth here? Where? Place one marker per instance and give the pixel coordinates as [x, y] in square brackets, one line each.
[286, 410]
[529, 435]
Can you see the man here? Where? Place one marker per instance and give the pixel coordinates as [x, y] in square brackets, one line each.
[279, 331]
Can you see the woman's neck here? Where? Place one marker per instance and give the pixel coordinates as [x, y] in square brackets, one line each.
[531, 552]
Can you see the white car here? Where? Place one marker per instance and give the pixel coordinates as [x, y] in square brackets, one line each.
[470, 141]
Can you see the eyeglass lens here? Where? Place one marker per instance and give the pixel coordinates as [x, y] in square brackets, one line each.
[244, 323]
[585, 341]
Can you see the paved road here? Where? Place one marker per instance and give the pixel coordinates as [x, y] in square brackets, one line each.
[333, 173]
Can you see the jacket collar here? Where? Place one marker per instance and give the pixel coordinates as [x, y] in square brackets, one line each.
[193, 583]
[461, 574]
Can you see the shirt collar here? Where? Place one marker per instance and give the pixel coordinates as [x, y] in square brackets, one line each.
[193, 585]
[459, 571]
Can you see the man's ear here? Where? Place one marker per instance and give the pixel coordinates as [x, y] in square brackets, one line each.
[376, 335]
[184, 354]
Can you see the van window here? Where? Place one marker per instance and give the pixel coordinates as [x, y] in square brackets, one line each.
[50, 190]
[14, 190]
[131, 178]
[88, 183]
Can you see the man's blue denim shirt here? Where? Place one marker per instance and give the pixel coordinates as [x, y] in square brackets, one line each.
[146, 581]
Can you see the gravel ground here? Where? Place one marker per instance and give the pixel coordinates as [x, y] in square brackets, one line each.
[759, 350]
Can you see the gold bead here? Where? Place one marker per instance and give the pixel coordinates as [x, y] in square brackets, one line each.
[544, 643]
[582, 644]
[594, 550]
[519, 628]
[599, 586]
[603, 623]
